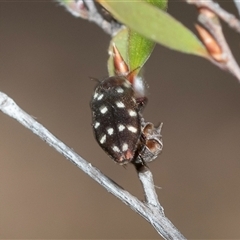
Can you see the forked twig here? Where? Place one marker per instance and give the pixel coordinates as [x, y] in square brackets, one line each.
[151, 210]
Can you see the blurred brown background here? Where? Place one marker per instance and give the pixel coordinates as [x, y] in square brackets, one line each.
[46, 58]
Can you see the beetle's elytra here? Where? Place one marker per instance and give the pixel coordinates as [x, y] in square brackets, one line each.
[116, 118]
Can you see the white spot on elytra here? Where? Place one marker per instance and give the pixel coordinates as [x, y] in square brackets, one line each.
[120, 90]
[115, 149]
[100, 97]
[132, 113]
[103, 109]
[103, 139]
[124, 147]
[95, 95]
[110, 131]
[120, 104]
[121, 127]
[132, 129]
[96, 125]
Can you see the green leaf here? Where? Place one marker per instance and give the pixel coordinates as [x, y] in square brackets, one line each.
[156, 25]
[134, 49]
[140, 47]
[162, 4]
[139, 50]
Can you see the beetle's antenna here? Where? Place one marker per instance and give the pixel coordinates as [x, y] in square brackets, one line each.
[95, 79]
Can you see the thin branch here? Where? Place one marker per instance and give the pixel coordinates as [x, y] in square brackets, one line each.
[229, 18]
[210, 21]
[208, 17]
[148, 211]
[87, 9]
[146, 178]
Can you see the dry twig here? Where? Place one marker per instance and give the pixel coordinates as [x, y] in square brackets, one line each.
[151, 209]
[87, 9]
[229, 18]
[208, 17]
[237, 4]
